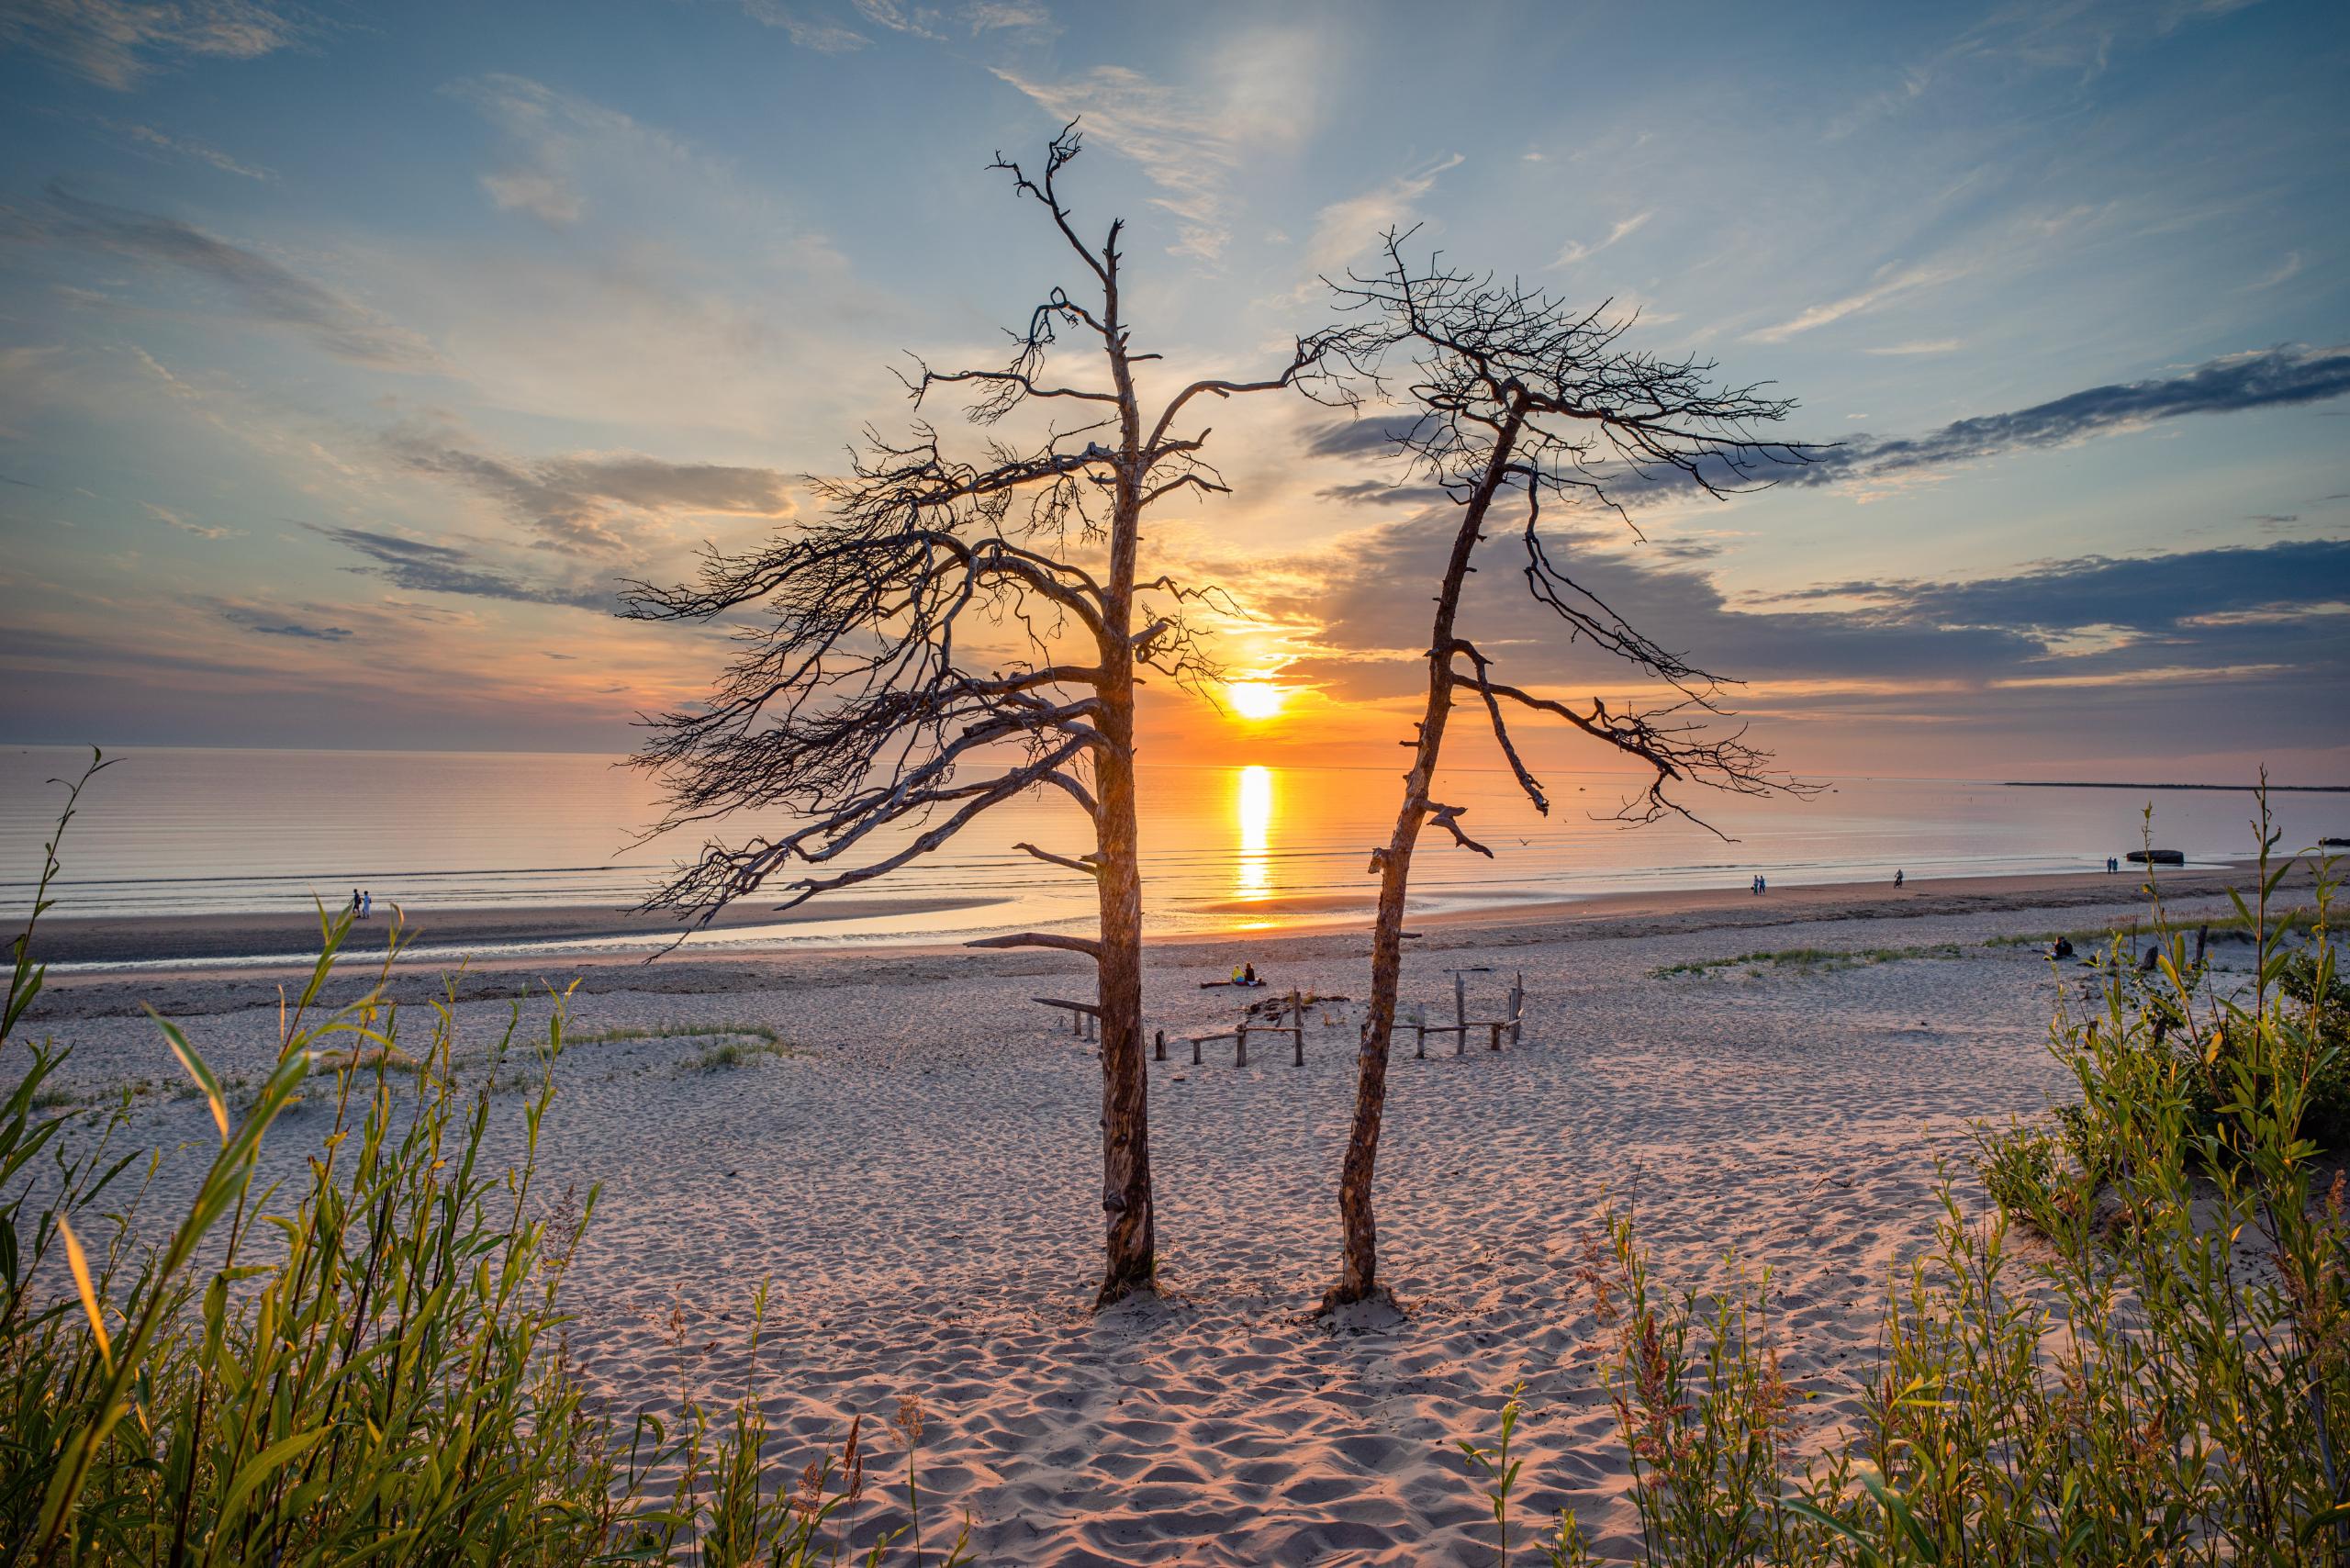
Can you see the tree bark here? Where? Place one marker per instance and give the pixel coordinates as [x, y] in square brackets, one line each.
[1130, 1231]
[1130, 1262]
[1359, 1262]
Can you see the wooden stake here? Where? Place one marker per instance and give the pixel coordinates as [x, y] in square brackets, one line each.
[1161, 1044]
[1241, 1046]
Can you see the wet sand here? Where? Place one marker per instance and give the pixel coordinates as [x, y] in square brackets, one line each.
[162, 939]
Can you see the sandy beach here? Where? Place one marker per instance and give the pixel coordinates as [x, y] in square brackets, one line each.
[918, 1181]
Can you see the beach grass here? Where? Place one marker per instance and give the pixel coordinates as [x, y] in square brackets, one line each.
[1812, 960]
[2163, 1377]
[369, 1363]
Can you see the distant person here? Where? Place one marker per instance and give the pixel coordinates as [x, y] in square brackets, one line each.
[1762, 884]
[366, 906]
[354, 904]
[1755, 883]
[1896, 878]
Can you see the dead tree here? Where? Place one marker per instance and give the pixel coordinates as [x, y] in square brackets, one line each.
[1512, 399]
[876, 700]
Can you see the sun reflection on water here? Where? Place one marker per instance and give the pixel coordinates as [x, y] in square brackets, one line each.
[1254, 805]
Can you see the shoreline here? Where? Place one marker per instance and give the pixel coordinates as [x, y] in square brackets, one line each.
[1320, 934]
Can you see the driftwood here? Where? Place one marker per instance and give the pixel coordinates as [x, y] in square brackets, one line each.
[1081, 1015]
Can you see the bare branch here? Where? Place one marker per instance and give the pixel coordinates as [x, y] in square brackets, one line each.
[1448, 819]
[1092, 949]
[1067, 863]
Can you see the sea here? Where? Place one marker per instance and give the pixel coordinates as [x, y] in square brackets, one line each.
[195, 831]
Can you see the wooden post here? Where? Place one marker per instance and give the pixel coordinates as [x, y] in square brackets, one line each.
[1517, 1009]
[1161, 1044]
[1195, 1050]
[1241, 1046]
[1461, 1000]
[1297, 1039]
[1495, 1029]
[1420, 1030]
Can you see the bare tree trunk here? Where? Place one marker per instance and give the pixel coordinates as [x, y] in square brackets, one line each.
[1131, 1238]
[1359, 1267]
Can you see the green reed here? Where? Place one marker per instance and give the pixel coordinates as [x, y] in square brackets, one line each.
[376, 1371]
[2161, 1377]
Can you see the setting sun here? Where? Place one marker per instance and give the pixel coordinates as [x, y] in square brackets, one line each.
[1255, 699]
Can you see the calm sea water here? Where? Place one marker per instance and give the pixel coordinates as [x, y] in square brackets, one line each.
[195, 831]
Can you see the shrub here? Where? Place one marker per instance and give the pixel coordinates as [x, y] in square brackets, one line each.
[2164, 1381]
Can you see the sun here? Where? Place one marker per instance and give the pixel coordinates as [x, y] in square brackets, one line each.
[1255, 699]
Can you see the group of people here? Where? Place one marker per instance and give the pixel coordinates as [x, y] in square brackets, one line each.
[363, 904]
[2112, 863]
[1762, 884]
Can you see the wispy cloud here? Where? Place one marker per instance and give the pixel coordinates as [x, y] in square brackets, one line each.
[1576, 251]
[1920, 346]
[271, 623]
[1345, 228]
[805, 32]
[582, 501]
[2269, 378]
[553, 138]
[117, 42]
[1892, 281]
[1189, 143]
[421, 566]
[261, 287]
[148, 138]
[211, 532]
[2290, 267]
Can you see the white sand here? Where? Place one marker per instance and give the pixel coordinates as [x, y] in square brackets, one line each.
[922, 1187]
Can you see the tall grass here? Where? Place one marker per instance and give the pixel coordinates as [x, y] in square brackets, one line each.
[2163, 1377]
[367, 1364]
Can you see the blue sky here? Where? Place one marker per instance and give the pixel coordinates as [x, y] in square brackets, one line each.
[348, 354]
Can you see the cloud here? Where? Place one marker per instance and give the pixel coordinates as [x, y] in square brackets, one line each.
[2288, 267]
[920, 21]
[1574, 251]
[1993, 650]
[422, 567]
[267, 623]
[1343, 228]
[991, 16]
[261, 287]
[576, 502]
[202, 530]
[1188, 144]
[1891, 282]
[117, 42]
[824, 38]
[2267, 378]
[554, 138]
[147, 136]
[1920, 346]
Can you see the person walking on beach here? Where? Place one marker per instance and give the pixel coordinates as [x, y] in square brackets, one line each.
[1896, 878]
[366, 906]
[354, 904]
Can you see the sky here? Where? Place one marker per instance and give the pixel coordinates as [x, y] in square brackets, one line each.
[350, 357]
